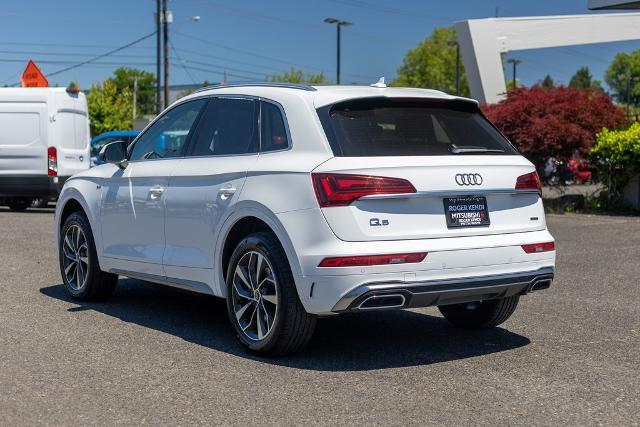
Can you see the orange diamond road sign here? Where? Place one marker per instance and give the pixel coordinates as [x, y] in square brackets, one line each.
[33, 77]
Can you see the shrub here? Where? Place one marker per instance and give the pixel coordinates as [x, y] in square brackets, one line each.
[618, 154]
[543, 122]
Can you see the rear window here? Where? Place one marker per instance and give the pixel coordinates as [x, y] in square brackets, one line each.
[410, 127]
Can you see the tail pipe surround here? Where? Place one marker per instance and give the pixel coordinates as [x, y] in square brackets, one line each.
[399, 294]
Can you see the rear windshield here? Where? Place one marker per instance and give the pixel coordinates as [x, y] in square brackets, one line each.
[410, 127]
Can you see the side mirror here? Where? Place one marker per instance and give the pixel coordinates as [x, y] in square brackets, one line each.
[114, 152]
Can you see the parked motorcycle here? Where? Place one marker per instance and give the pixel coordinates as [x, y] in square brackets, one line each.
[581, 171]
[557, 172]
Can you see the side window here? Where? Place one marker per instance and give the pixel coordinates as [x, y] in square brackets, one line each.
[274, 132]
[166, 137]
[228, 126]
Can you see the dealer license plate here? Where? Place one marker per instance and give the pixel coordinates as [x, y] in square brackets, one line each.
[466, 211]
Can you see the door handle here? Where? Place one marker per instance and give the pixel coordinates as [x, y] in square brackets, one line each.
[156, 192]
[227, 191]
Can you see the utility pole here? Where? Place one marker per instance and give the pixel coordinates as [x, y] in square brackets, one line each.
[515, 63]
[135, 96]
[166, 18]
[338, 24]
[158, 56]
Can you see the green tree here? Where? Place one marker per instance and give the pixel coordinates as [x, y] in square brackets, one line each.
[190, 90]
[619, 155]
[548, 82]
[623, 76]
[298, 76]
[109, 108]
[583, 79]
[432, 64]
[125, 77]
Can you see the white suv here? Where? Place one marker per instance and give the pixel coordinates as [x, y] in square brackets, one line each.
[295, 201]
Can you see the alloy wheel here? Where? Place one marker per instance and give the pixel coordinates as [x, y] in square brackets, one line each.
[76, 257]
[255, 295]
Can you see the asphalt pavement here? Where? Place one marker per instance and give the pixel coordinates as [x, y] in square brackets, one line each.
[154, 355]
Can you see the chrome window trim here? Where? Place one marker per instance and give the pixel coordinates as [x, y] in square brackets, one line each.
[286, 126]
[146, 128]
[259, 152]
[228, 96]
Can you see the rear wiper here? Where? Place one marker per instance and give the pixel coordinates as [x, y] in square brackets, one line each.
[473, 149]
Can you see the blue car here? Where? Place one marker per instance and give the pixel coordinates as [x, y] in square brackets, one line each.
[126, 136]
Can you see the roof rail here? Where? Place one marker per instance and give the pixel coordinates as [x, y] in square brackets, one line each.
[299, 86]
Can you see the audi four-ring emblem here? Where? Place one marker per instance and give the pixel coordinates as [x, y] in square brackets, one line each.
[468, 179]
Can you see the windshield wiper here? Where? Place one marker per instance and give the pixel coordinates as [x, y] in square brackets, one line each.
[473, 149]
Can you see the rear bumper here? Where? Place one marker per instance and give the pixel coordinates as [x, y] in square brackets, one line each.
[399, 294]
[454, 262]
[31, 185]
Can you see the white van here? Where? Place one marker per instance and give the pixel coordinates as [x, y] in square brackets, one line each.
[44, 140]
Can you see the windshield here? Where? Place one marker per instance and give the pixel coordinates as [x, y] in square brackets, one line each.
[410, 127]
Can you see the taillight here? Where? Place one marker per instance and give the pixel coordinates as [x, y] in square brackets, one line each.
[530, 181]
[52, 161]
[366, 260]
[539, 247]
[334, 189]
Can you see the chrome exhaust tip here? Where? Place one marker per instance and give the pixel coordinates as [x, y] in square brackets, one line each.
[381, 302]
[540, 285]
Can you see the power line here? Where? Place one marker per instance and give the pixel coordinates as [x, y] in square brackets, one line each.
[259, 55]
[95, 58]
[79, 46]
[393, 10]
[13, 76]
[246, 14]
[207, 70]
[76, 54]
[578, 54]
[186, 70]
[251, 64]
[236, 50]
[31, 16]
[173, 47]
[63, 62]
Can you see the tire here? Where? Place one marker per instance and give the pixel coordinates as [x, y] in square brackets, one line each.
[276, 298]
[18, 204]
[87, 283]
[481, 314]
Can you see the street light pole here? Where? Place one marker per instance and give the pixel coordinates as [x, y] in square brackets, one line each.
[165, 43]
[158, 56]
[338, 54]
[338, 23]
[515, 63]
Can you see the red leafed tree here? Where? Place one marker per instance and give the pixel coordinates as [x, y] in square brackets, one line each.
[543, 122]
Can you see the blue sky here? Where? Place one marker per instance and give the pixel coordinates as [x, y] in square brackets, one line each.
[252, 38]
